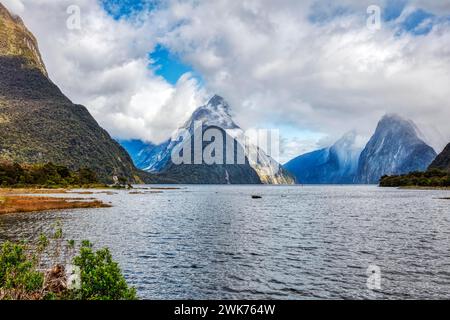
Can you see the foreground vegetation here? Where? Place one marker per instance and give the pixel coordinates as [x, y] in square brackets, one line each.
[433, 178]
[44, 176]
[19, 203]
[90, 275]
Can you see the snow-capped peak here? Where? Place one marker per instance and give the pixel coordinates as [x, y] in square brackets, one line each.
[215, 113]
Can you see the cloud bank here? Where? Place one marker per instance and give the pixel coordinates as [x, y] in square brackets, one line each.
[309, 66]
[105, 66]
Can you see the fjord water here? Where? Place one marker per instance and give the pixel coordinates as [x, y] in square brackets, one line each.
[216, 242]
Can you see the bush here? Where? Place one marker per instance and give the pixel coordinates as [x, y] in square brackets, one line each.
[21, 275]
[18, 275]
[101, 278]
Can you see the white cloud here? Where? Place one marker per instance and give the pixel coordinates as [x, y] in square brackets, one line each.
[275, 66]
[15, 6]
[104, 66]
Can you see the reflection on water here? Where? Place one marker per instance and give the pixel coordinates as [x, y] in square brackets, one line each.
[216, 242]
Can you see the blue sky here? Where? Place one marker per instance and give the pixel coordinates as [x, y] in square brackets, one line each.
[171, 67]
[313, 72]
[123, 8]
[163, 62]
[302, 69]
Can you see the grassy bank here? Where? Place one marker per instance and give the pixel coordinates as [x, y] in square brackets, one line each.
[19, 183]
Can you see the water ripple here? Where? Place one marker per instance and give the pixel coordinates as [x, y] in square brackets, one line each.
[215, 242]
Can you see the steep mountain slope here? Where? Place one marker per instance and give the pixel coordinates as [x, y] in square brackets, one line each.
[442, 161]
[394, 149]
[216, 113]
[38, 123]
[211, 173]
[333, 165]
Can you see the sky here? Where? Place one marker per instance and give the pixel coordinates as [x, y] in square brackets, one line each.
[312, 69]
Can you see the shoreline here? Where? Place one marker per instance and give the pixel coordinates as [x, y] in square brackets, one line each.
[423, 188]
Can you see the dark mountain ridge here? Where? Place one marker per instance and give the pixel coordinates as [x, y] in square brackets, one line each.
[442, 161]
[39, 124]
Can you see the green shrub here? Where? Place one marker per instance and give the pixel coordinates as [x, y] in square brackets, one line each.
[17, 270]
[101, 278]
[21, 277]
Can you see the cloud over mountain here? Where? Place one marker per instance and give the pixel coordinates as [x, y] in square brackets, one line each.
[309, 65]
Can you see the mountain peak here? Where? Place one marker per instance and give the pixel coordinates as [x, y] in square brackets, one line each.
[396, 118]
[16, 41]
[395, 148]
[217, 100]
[215, 113]
[395, 123]
[392, 116]
[217, 103]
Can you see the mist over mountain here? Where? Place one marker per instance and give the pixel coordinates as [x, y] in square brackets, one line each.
[333, 165]
[395, 148]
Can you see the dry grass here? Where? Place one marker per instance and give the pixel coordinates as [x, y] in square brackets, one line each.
[22, 203]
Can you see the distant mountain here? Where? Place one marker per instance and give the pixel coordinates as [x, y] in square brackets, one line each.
[442, 161]
[333, 165]
[215, 114]
[211, 174]
[38, 124]
[138, 150]
[394, 149]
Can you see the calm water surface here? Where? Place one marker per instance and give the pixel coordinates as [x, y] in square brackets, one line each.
[216, 242]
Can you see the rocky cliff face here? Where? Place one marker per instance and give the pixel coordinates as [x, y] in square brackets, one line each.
[442, 161]
[38, 124]
[17, 41]
[333, 165]
[394, 149]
